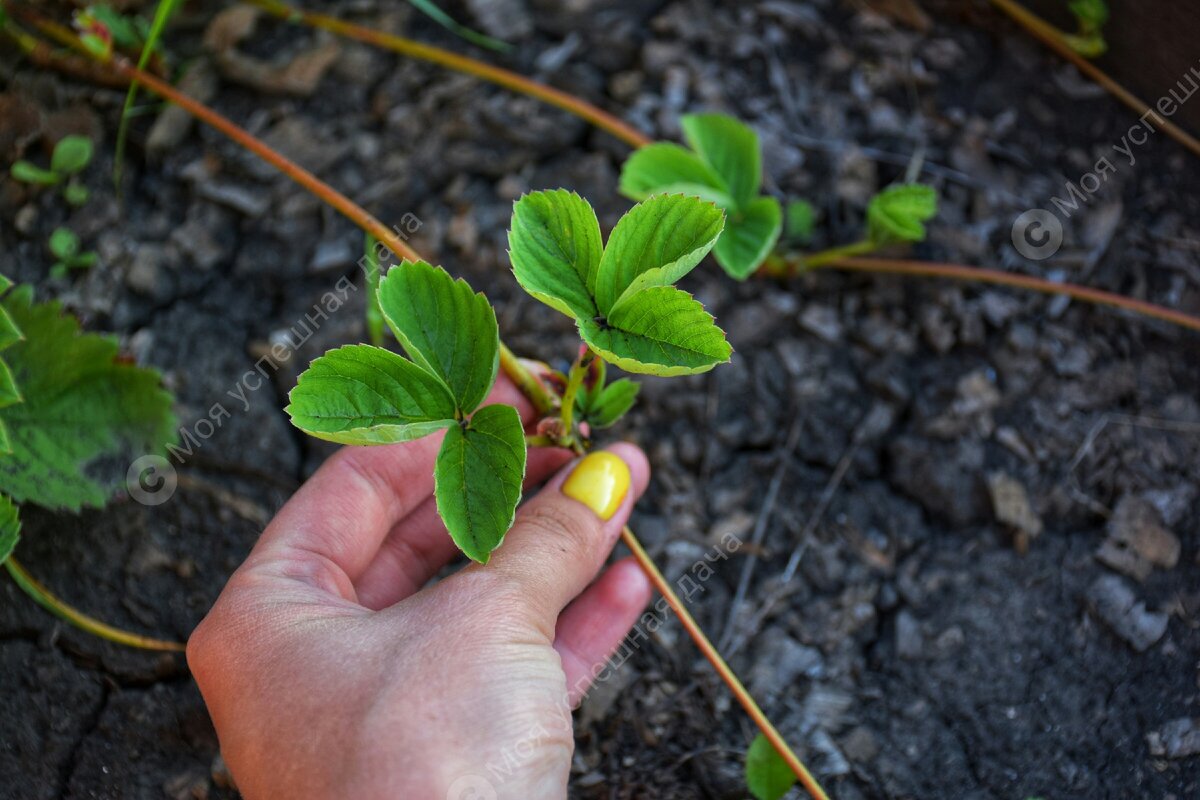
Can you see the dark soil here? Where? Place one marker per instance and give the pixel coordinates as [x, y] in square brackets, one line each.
[916, 652]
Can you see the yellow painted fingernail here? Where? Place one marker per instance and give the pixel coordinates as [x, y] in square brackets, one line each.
[600, 482]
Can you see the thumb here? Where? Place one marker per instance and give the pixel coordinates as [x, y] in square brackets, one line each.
[562, 537]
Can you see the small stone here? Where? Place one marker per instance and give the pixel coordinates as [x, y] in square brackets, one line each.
[25, 220]
[330, 255]
[1137, 542]
[1179, 738]
[860, 745]
[1115, 603]
[909, 640]
[144, 274]
[1011, 504]
[782, 661]
[822, 322]
[251, 202]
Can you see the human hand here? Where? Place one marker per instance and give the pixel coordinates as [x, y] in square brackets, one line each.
[330, 672]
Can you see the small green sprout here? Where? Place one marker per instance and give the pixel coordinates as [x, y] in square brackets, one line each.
[1091, 16]
[65, 246]
[899, 214]
[800, 220]
[71, 156]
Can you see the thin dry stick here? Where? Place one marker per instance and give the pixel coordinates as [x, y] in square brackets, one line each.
[932, 269]
[368, 223]
[1052, 37]
[436, 55]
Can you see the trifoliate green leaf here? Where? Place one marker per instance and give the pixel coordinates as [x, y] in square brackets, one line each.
[899, 213]
[658, 331]
[604, 406]
[71, 154]
[730, 148]
[749, 237]
[555, 247]
[799, 221]
[655, 244]
[360, 394]
[27, 172]
[444, 327]
[80, 404]
[10, 527]
[767, 775]
[667, 168]
[478, 477]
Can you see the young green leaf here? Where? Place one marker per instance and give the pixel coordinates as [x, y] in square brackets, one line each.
[605, 406]
[71, 154]
[767, 775]
[555, 247]
[444, 327]
[10, 528]
[64, 243]
[76, 194]
[800, 220]
[731, 148]
[658, 331]
[898, 213]
[27, 172]
[478, 477]
[655, 244]
[667, 168]
[749, 237]
[360, 394]
[1092, 15]
[80, 403]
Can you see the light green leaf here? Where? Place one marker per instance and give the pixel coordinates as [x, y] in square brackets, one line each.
[76, 194]
[71, 154]
[444, 327]
[659, 331]
[27, 172]
[10, 528]
[359, 394]
[749, 237]
[611, 403]
[655, 244]
[800, 220]
[555, 247]
[731, 148]
[478, 477]
[898, 213]
[667, 168]
[64, 243]
[767, 775]
[80, 404]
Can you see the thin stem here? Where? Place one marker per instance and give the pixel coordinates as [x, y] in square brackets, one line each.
[544, 401]
[826, 257]
[46, 599]
[436, 55]
[1053, 38]
[574, 380]
[727, 675]
[961, 272]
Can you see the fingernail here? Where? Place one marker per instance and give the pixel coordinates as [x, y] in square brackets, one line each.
[600, 482]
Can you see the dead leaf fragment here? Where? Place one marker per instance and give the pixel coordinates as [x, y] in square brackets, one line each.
[1011, 504]
[1137, 541]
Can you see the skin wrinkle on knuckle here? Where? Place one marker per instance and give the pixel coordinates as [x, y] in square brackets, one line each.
[567, 525]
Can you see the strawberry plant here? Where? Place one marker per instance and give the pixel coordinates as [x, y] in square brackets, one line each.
[65, 246]
[67, 403]
[625, 306]
[1091, 16]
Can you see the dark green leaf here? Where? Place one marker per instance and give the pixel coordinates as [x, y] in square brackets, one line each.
[767, 775]
[731, 148]
[666, 168]
[26, 172]
[555, 247]
[80, 403]
[71, 154]
[611, 403]
[658, 331]
[655, 244]
[10, 528]
[359, 394]
[749, 237]
[478, 477]
[444, 327]
[899, 213]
